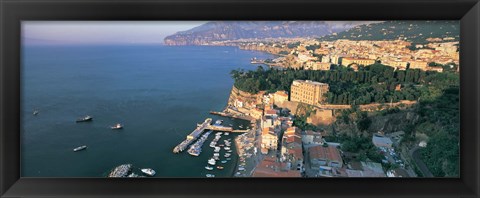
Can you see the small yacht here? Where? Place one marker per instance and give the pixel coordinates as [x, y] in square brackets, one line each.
[227, 133]
[227, 148]
[218, 122]
[208, 167]
[35, 112]
[224, 161]
[212, 161]
[220, 167]
[227, 154]
[80, 148]
[117, 126]
[148, 171]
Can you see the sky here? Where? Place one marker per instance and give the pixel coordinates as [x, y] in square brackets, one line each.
[101, 32]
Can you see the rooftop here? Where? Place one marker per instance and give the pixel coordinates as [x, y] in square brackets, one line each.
[320, 152]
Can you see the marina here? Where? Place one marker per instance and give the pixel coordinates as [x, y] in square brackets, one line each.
[121, 171]
[192, 136]
[196, 148]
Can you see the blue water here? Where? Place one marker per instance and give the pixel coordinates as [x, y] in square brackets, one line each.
[158, 92]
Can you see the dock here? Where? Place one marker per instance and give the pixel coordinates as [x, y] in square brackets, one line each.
[230, 115]
[192, 136]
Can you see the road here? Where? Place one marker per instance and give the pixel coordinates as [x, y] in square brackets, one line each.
[415, 154]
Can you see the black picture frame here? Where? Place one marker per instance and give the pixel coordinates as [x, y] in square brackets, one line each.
[14, 11]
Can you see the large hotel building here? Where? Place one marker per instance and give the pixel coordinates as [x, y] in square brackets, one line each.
[309, 92]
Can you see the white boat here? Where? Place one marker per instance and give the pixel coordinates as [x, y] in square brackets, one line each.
[216, 154]
[80, 148]
[227, 133]
[229, 151]
[216, 158]
[210, 175]
[229, 159]
[212, 161]
[132, 175]
[224, 161]
[117, 126]
[217, 149]
[35, 112]
[208, 167]
[148, 171]
[241, 169]
[227, 154]
[218, 122]
[227, 148]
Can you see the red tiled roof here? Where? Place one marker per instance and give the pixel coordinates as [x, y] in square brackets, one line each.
[320, 152]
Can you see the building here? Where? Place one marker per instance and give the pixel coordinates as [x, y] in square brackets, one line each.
[360, 61]
[256, 113]
[368, 169]
[312, 137]
[309, 92]
[381, 141]
[279, 97]
[270, 167]
[322, 155]
[269, 138]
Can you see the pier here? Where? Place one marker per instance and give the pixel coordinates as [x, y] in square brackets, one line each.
[206, 125]
[230, 115]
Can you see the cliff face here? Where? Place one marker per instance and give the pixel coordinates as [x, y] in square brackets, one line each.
[233, 30]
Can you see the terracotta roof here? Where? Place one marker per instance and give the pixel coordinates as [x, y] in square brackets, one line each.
[330, 153]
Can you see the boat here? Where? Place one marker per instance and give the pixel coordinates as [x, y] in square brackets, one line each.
[230, 125]
[220, 167]
[80, 148]
[227, 133]
[227, 154]
[224, 161]
[85, 119]
[208, 167]
[216, 158]
[210, 175]
[229, 159]
[227, 148]
[148, 171]
[133, 175]
[217, 149]
[35, 112]
[117, 126]
[229, 151]
[241, 169]
[212, 161]
[218, 122]
[216, 154]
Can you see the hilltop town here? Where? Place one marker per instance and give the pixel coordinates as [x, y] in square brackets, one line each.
[304, 128]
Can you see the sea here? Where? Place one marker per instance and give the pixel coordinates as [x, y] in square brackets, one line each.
[159, 93]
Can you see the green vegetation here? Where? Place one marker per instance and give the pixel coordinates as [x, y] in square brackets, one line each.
[362, 145]
[371, 84]
[414, 31]
[440, 120]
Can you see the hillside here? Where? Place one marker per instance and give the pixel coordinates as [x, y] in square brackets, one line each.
[232, 30]
[414, 31]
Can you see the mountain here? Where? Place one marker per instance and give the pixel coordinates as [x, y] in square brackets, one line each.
[413, 31]
[232, 30]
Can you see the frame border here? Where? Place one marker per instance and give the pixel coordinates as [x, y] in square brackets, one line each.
[12, 12]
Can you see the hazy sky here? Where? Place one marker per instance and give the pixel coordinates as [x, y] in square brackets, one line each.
[101, 32]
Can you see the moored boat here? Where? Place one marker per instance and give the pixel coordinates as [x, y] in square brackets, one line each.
[220, 167]
[212, 161]
[208, 167]
[148, 171]
[210, 175]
